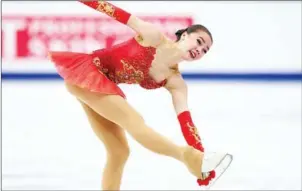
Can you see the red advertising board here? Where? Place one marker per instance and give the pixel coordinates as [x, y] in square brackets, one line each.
[32, 36]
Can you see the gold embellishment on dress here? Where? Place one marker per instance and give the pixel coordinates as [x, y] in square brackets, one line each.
[130, 74]
[106, 8]
[175, 69]
[139, 38]
[194, 132]
[96, 61]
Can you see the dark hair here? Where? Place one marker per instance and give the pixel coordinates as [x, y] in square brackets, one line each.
[191, 29]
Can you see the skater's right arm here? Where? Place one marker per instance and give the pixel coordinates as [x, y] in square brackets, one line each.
[151, 35]
[179, 92]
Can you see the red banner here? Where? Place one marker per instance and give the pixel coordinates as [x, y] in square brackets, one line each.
[33, 36]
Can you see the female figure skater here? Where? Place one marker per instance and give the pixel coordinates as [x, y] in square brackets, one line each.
[149, 59]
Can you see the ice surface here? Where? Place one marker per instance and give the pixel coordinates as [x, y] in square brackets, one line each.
[48, 144]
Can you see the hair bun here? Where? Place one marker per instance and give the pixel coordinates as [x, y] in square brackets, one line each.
[179, 32]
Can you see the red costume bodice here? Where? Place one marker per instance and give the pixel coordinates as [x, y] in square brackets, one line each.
[128, 62]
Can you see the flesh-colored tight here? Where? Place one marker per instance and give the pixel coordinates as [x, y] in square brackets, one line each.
[110, 116]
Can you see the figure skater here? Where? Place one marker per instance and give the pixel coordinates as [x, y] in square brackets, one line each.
[151, 60]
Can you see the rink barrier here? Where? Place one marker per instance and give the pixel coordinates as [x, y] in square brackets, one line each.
[293, 76]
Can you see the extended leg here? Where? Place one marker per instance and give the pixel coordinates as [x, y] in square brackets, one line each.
[117, 110]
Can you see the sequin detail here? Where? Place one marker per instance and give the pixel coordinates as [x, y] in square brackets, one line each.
[129, 74]
[194, 132]
[128, 62]
[106, 8]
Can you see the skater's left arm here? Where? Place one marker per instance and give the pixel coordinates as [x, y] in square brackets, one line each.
[179, 93]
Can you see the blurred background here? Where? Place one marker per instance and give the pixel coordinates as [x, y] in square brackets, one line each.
[245, 95]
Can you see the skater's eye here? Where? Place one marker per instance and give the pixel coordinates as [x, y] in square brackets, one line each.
[199, 41]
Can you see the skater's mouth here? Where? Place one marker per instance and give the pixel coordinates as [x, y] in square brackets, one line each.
[192, 54]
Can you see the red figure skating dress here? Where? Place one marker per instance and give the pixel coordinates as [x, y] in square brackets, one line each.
[128, 62]
[102, 70]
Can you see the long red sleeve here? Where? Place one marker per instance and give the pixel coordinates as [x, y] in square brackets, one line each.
[189, 131]
[109, 9]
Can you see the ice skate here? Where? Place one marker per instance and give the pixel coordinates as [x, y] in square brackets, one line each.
[204, 165]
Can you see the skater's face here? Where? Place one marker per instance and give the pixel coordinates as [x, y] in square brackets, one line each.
[197, 43]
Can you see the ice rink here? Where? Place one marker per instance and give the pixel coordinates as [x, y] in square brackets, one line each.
[48, 144]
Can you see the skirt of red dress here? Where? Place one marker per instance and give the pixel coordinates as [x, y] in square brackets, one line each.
[78, 69]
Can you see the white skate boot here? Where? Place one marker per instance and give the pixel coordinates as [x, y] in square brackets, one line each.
[219, 162]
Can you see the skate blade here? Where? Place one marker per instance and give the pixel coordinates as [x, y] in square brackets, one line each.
[220, 169]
